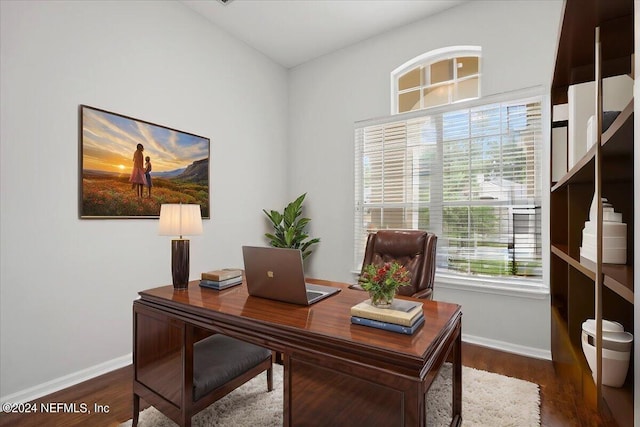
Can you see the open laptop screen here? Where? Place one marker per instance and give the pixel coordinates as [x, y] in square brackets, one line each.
[277, 273]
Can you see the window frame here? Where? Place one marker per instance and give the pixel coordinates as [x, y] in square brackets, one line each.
[426, 60]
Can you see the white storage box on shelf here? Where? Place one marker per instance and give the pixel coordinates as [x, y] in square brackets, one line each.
[617, 93]
[614, 236]
[616, 350]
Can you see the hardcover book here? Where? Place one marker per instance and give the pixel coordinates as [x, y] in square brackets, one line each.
[232, 281]
[220, 285]
[392, 327]
[401, 312]
[220, 275]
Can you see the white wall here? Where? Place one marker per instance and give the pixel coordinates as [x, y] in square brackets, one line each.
[327, 95]
[67, 285]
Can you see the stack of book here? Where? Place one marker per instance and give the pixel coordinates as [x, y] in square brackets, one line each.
[221, 279]
[403, 316]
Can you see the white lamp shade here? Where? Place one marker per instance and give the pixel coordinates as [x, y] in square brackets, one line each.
[180, 220]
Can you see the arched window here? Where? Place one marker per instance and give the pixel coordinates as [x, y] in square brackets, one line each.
[470, 172]
[440, 77]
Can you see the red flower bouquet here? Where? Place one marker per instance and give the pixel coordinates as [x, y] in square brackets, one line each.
[382, 282]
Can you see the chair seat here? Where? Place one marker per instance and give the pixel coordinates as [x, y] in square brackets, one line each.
[218, 359]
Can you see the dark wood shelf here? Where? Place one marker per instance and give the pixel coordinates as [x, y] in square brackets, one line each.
[576, 54]
[573, 279]
[618, 139]
[581, 173]
[562, 251]
[616, 142]
[617, 277]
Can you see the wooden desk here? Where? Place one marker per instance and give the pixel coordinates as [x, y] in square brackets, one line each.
[335, 373]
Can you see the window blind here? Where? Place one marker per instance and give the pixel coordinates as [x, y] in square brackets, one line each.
[469, 175]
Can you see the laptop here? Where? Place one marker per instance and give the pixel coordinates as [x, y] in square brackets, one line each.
[277, 274]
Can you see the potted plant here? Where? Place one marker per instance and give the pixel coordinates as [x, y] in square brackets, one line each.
[289, 228]
[382, 282]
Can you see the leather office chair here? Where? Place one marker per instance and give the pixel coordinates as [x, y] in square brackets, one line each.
[415, 249]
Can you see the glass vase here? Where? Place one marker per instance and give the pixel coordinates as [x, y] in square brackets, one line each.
[382, 299]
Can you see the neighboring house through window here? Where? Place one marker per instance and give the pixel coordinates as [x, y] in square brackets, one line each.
[467, 171]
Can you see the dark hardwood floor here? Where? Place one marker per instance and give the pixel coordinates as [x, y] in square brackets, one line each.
[560, 405]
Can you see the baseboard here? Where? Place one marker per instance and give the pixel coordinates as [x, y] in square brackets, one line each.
[522, 350]
[58, 384]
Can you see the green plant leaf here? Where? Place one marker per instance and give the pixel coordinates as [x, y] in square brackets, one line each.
[309, 243]
[274, 216]
[302, 223]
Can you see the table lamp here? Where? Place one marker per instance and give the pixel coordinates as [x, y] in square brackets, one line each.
[180, 220]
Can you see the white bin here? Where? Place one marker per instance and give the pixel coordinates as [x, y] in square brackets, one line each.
[616, 350]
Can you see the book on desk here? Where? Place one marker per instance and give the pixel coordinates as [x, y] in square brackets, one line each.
[393, 327]
[221, 275]
[221, 279]
[403, 316]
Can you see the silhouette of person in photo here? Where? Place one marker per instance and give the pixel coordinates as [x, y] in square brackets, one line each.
[147, 173]
[138, 179]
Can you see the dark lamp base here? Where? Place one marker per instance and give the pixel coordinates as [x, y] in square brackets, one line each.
[180, 263]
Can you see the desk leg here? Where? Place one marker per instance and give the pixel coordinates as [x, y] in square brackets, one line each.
[286, 410]
[136, 410]
[457, 379]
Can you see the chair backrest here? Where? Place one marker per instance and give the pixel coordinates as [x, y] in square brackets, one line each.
[415, 249]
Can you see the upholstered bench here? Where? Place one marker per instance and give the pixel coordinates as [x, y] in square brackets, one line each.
[212, 367]
[219, 359]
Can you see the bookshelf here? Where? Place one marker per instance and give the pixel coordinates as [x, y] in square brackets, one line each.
[580, 288]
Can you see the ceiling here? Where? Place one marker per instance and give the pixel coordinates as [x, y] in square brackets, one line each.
[292, 32]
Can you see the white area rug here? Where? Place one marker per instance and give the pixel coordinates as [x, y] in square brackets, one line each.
[488, 400]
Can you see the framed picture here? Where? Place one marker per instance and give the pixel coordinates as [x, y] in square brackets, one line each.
[129, 167]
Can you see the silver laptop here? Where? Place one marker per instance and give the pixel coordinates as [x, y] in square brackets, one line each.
[277, 274]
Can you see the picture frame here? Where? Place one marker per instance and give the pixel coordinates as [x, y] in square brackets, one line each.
[111, 183]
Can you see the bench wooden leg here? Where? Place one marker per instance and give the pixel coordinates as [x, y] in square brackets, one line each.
[270, 379]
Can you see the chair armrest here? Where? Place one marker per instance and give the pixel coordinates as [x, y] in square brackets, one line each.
[356, 286]
[425, 294]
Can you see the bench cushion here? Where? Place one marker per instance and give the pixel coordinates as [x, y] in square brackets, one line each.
[219, 359]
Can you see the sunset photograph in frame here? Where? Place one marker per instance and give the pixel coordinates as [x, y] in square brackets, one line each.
[129, 167]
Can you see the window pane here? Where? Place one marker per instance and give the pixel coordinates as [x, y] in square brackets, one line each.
[455, 125]
[486, 177]
[410, 80]
[436, 96]
[455, 170]
[471, 176]
[441, 71]
[467, 66]
[460, 77]
[422, 171]
[409, 101]
[467, 89]
[480, 240]
[381, 218]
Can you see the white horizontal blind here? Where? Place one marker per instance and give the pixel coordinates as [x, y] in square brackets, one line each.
[471, 176]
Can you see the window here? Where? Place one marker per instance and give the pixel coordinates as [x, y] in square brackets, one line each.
[440, 77]
[469, 175]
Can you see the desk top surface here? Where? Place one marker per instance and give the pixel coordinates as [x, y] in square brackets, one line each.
[326, 323]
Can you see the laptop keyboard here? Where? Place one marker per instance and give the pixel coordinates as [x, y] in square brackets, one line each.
[311, 295]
